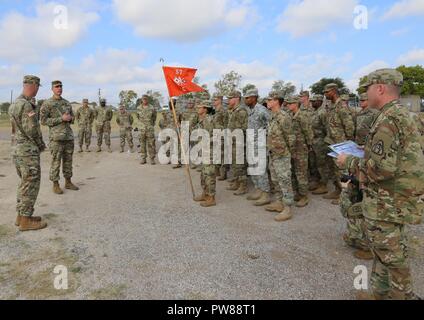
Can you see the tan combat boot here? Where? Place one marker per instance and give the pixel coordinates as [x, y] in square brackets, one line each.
[335, 195]
[234, 186]
[276, 206]
[143, 161]
[297, 197]
[303, 202]
[87, 149]
[242, 190]
[365, 295]
[177, 166]
[209, 202]
[109, 149]
[18, 219]
[30, 224]
[313, 186]
[200, 198]
[284, 216]
[99, 149]
[80, 149]
[363, 255]
[263, 200]
[122, 150]
[56, 188]
[322, 189]
[222, 174]
[152, 161]
[336, 202]
[255, 195]
[70, 186]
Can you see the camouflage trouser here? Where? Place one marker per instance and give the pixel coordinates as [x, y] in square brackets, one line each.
[84, 134]
[261, 182]
[313, 173]
[391, 276]
[321, 158]
[208, 179]
[281, 178]
[62, 152]
[126, 134]
[355, 233]
[300, 173]
[147, 143]
[103, 131]
[239, 170]
[29, 171]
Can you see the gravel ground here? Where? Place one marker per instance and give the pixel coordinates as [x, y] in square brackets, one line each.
[132, 232]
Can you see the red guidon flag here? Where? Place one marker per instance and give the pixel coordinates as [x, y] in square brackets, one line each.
[180, 81]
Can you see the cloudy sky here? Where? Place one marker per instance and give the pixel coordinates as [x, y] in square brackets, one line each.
[117, 44]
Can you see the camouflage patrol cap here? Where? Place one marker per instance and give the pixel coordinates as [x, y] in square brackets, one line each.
[304, 94]
[56, 83]
[29, 79]
[330, 87]
[234, 94]
[252, 93]
[102, 100]
[384, 76]
[203, 104]
[345, 97]
[292, 99]
[85, 101]
[217, 95]
[275, 95]
[317, 97]
[363, 97]
[144, 96]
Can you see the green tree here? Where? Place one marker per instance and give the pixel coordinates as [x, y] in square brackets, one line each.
[4, 107]
[155, 99]
[128, 98]
[286, 88]
[413, 78]
[318, 88]
[229, 82]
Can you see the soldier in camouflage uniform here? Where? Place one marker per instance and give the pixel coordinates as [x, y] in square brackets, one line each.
[238, 120]
[166, 123]
[208, 122]
[103, 116]
[85, 119]
[302, 129]
[146, 114]
[313, 173]
[419, 120]
[191, 116]
[217, 100]
[320, 148]
[259, 117]
[26, 154]
[280, 141]
[57, 114]
[340, 128]
[125, 120]
[392, 177]
[350, 197]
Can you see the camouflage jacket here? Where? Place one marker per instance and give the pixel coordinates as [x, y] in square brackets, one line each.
[280, 138]
[318, 124]
[166, 121]
[309, 110]
[302, 130]
[52, 111]
[30, 142]
[419, 120]
[225, 116]
[340, 126]
[363, 123]
[103, 115]
[191, 116]
[147, 116]
[238, 119]
[84, 117]
[392, 171]
[124, 120]
[259, 117]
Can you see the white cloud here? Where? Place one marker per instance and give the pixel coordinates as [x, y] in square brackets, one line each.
[405, 8]
[26, 38]
[10, 75]
[412, 57]
[302, 18]
[183, 20]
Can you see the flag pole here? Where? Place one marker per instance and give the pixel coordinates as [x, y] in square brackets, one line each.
[181, 146]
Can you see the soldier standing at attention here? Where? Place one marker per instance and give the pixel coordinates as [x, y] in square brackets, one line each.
[103, 116]
[279, 142]
[85, 119]
[217, 100]
[238, 120]
[146, 114]
[259, 117]
[190, 115]
[302, 130]
[392, 179]
[124, 119]
[340, 128]
[57, 114]
[26, 154]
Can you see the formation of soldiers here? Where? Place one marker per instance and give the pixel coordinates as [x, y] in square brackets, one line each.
[378, 195]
